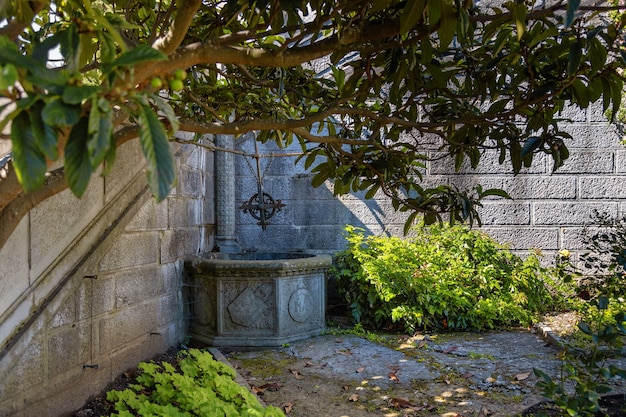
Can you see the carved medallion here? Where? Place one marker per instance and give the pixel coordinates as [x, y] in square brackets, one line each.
[300, 305]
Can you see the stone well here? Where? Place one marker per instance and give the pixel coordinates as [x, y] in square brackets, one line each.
[256, 299]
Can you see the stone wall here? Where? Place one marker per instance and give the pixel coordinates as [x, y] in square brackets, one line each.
[548, 210]
[90, 287]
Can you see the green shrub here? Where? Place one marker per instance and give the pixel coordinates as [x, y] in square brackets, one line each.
[444, 277]
[201, 387]
[586, 374]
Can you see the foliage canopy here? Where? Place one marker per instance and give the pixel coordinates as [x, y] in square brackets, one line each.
[373, 89]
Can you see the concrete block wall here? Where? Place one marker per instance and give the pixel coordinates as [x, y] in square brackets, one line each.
[98, 281]
[548, 210]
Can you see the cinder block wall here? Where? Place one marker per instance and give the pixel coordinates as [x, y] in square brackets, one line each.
[97, 282]
[548, 210]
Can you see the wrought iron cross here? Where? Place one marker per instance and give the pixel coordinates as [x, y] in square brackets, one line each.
[261, 205]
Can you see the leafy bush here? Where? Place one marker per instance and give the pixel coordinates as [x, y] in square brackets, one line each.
[202, 387]
[444, 277]
[586, 374]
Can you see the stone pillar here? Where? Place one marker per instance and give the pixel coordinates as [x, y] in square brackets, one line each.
[225, 239]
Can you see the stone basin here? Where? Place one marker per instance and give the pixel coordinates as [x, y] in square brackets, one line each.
[256, 299]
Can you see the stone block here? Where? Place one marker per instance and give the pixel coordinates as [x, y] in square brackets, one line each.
[573, 238]
[138, 284]
[151, 216]
[504, 213]
[603, 187]
[208, 210]
[588, 162]
[573, 113]
[184, 212]
[22, 369]
[620, 162]
[489, 164]
[600, 135]
[569, 213]
[169, 309]
[14, 267]
[131, 249]
[65, 316]
[61, 219]
[526, 238]
[540, 187]
[307, 213]
[180, 243]
[126, 326]
[63, 351]
[191, 183]
[95, 296]
[129, 162]
[595, 113]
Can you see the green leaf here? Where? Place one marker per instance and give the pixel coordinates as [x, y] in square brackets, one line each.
[45, 135]
[584, 327]
[167, 110]
[447, 30]
[100, 132]
[8, 76]
[57, 113]
[572, 8]
[156, 149]
[411, 14]
[519, 14]
[495, 192]
[10, 55]
[575, 57]
[53, 80]
[141, 53]
[76, 95]
[530, 145]
[28, 160]
[70, 47]
[77, 165]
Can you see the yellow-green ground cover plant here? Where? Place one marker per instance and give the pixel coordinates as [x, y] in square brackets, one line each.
[197, 386]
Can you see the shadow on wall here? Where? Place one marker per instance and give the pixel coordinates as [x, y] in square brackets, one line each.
[313, 219]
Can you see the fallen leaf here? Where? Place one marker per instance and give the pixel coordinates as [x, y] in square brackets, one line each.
[400, 403]
[521, 377]
[359, 370]
[484, 412]
[353, 398]
[393, 375]
[339, 341]
[421, 344]
[296, 374]
[287, 407]
[451, 349]
[314, 365]
[446, 379]
[270, 386]
[346, 387]
[344, 352]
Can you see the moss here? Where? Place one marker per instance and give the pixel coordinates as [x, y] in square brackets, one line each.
[270, 364]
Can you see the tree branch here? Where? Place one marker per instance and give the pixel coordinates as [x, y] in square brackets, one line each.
[185, 12]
